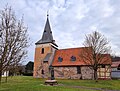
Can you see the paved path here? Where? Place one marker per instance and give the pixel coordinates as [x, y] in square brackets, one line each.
[84, 87]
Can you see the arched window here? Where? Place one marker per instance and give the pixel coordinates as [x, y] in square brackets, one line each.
[42, 51]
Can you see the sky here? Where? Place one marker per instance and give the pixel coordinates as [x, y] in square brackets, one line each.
[70, 20]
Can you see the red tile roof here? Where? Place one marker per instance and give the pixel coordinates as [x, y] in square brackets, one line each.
[115, 64]
[66, 55]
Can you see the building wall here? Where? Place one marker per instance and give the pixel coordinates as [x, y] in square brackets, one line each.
[104, 72]
[38, 59]
[71, 73]
[41, 69]
[39, 65]
[86, 72]
[115, 72]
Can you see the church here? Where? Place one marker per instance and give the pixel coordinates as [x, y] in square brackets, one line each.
[50, 61]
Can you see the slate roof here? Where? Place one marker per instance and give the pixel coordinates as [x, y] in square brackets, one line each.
[63, 57]
[115, 59]
[47, 57]
[47, 35]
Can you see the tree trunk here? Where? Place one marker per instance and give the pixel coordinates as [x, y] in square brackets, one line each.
[95, 75]
[0, 76]
[6, 76]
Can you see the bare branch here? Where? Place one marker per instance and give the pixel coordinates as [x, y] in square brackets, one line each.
[13, 39]
[96, 51]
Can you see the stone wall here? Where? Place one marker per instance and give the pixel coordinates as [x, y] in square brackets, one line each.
[45, 73]
[86, 72]
[39, 65]
[71, 73]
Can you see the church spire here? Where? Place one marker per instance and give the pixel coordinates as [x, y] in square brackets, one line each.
[47, 34]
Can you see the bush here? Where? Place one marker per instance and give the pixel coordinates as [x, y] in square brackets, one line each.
[27, 74]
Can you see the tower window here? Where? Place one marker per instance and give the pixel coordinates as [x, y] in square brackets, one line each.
[42, 51]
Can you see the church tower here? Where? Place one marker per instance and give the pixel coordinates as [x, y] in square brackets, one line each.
[44, 53]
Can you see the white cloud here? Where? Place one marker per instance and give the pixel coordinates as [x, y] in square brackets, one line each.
[70, 20]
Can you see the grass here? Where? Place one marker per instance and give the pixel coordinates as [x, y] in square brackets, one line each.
[24, 83]
[104, 84]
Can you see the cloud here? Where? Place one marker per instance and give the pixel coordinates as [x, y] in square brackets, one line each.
[70, 20]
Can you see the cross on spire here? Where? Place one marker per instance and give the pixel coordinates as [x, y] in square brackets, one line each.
[47, 13]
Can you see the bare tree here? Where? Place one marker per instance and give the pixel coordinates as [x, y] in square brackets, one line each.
[96, 51]
[13, 40]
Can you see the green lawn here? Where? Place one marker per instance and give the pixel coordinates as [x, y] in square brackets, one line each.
[24, 83]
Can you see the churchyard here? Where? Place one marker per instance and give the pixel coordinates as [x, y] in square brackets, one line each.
[28, 83]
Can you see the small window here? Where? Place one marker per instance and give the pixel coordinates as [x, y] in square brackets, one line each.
[45, 61]
[42, 71]
[60, 59]
[73, 58]
[78, 70]
[42, 51]
[103, 66]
